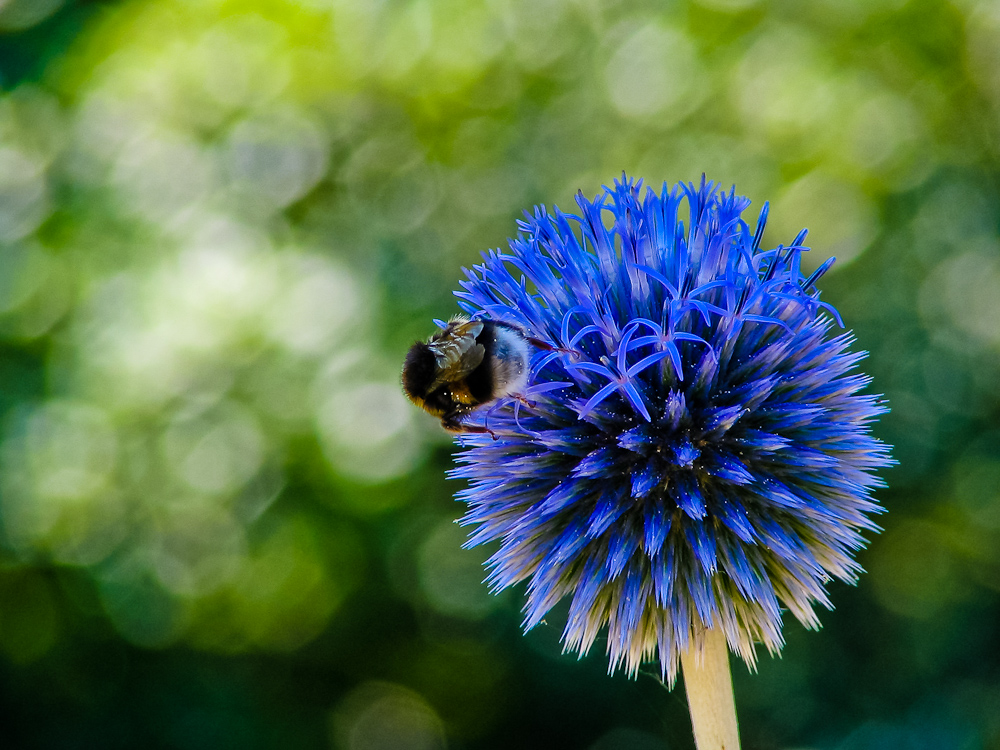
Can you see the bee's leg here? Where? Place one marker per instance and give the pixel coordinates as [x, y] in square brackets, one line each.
[486, 417]
[546, 346]
[518, 400]
[450, 422]
[522, 400]
[477, 429]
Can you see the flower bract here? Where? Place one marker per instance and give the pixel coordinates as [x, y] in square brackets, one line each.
[694, 451]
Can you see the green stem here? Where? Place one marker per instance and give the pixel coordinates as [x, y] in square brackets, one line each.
[709, 688]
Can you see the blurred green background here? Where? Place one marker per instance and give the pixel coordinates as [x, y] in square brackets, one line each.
[222, 222]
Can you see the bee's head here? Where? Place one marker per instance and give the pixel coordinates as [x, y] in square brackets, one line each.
[419, 371]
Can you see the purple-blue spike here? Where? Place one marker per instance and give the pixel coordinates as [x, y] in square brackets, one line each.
[706, 438]
[644, 479]
[620, 549]
[611, 505]
[687, 494]
[655, 527]
[685, 452]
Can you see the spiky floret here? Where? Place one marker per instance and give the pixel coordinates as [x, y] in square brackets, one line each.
[703, 460]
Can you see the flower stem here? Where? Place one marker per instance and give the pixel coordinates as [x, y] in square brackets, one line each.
[709, 688]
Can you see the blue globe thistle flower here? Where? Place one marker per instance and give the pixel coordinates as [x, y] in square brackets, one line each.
[702, 459]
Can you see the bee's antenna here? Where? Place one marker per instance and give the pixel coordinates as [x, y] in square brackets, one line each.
[486, 420]
[518, 401]
[476, 429]
[546, 346]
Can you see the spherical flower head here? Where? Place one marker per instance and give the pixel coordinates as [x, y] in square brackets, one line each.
[693, 451]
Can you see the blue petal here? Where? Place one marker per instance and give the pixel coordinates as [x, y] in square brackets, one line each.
[675, 410]
[620, 550]
[609, 508]
[644, 479]
[656, 526]
[687, 494]
[703, 455]
[702, 541]
[564, 495]
[637, 440]
[685, 453]
[728, 467]
[596, 463]
[734, 516]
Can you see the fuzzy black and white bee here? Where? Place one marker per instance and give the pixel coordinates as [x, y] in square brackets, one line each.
[466, 365]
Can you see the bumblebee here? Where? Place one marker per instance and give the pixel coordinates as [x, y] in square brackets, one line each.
[466, 365]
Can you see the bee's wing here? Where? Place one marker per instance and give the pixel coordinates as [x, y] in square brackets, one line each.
[457, 354]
